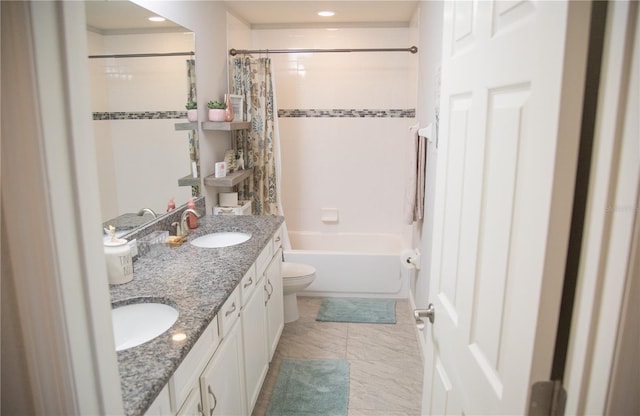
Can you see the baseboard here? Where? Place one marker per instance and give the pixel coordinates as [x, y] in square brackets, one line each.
[419, 334]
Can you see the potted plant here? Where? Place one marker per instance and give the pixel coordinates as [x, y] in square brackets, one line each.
[192, 111]
[216, 110]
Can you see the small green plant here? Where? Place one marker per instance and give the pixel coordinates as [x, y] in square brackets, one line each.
[216, 105]
[191, 105]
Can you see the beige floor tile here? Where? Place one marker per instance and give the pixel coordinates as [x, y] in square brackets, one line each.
[385, 363]
[370, 412]
[385, 386]
[307, 338]
[308, 307]
[382, 342]
[404, 314]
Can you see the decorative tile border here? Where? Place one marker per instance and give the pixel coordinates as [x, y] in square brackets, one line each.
[139, 115]
[291, 113]
[348, 113]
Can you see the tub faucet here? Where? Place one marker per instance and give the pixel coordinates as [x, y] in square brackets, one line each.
[182, 229]
[149, 210]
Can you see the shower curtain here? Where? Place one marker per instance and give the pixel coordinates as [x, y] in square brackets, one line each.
[253, 80]
[194, 153]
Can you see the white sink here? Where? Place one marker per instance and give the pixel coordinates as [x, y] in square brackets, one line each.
[138, 323]
[221, 239]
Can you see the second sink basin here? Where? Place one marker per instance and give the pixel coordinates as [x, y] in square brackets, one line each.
[138, 323]
[221, 239]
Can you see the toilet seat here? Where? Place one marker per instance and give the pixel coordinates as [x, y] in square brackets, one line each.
[297, 270]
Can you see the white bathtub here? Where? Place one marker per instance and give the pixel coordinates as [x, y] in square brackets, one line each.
[351, 265]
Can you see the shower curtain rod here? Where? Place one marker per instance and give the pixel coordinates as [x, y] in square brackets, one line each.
[234, 52]
[143, 55]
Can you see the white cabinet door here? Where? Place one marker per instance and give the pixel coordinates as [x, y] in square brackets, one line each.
[256, 358]
[161, 406]
[221, 382]
[192, 405]
[274, 302]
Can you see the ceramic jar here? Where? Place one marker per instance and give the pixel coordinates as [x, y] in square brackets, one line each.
[216, 114]
[119, 262]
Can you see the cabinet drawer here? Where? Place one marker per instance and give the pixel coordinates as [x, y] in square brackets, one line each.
[229, 312]
[185, 377]
[264, 258]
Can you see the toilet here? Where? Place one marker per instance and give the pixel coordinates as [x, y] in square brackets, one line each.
[295, 277]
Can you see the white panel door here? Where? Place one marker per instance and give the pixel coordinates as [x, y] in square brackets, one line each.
[512, 82]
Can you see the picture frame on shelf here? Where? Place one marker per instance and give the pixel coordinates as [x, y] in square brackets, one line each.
[237, 102]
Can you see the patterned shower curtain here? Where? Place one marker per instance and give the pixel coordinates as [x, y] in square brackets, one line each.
[194, 146]
[252, 79]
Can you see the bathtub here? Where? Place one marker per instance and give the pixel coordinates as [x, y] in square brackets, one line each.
[351, 265]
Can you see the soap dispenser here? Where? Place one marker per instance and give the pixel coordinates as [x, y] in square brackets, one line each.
[192, 220]
[118, 255]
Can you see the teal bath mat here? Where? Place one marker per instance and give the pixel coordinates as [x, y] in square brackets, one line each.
[311, 387]
[370, 311]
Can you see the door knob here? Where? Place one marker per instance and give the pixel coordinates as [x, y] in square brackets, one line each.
[429, 313]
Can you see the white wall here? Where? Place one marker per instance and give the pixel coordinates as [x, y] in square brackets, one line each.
[352, 164]
[207, 19]
[429, 16]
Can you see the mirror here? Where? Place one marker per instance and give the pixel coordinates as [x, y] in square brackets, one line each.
[141, 75]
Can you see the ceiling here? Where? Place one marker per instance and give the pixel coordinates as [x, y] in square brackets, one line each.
[117, 16]
[261, 13]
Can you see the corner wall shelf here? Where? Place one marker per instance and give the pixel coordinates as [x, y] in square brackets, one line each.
[214, 125]
[191, 125]
[228, 181]
[225, 126]
[188, 180]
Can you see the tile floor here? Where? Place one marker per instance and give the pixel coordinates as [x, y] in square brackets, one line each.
[385, 361]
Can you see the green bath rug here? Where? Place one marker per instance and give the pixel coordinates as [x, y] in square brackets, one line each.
[311, 387]
[370, 311]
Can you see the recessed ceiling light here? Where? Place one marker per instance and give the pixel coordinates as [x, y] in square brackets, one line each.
[326, 13]
[157, 19]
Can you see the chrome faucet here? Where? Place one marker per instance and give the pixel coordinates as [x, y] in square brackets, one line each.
[182, 229]
[149, 210]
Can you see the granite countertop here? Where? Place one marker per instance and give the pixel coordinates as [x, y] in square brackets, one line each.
[128, 221]
[196, 281]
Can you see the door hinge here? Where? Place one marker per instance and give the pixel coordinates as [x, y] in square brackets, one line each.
[548, 398]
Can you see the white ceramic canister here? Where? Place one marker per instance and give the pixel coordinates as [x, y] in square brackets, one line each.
[119, 263]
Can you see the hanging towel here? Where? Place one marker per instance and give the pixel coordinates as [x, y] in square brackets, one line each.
[414, 191]
[420, 178]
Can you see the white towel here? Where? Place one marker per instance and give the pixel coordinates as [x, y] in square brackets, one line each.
[414, 191]
[420, 175]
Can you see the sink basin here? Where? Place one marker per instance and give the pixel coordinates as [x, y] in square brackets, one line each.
[222, 239]
[138, 323]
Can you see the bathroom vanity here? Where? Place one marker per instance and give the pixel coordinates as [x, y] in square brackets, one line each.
[215, 357]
